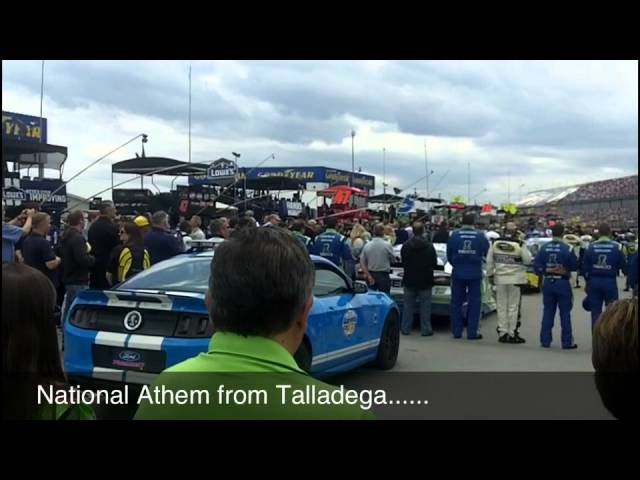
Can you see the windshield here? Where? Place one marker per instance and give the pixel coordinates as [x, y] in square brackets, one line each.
[178, 274]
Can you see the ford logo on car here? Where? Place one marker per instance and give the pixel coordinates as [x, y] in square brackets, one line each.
[129, 356]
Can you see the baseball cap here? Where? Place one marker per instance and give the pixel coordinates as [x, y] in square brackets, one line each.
[141, 221]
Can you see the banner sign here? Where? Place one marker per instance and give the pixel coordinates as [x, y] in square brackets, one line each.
[303, 174]
[222, 169]
[23, 128]
[36, 191]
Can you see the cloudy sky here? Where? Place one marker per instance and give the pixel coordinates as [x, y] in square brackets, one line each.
[532, 123]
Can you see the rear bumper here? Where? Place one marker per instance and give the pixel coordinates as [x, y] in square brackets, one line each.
[79, 362]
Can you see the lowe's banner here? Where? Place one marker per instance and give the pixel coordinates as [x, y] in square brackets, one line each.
[23, 128]
[222, 169]
[36, 191]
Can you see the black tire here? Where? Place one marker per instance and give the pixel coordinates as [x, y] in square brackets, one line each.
[389, 343]
[303, 356]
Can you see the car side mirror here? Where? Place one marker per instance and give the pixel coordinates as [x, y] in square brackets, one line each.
[360, 287]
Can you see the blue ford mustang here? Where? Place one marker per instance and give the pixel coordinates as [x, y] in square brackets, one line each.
[158, 318]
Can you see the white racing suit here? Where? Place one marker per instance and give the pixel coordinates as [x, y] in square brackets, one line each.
[507, 262]
[576, 245]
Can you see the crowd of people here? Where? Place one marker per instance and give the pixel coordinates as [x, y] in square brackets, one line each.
[111, 249]
[607, 189]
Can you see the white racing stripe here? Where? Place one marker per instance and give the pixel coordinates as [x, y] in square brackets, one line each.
[140, 377]
[343, 352]
[108, 374]
[111, 339]
[146, 342]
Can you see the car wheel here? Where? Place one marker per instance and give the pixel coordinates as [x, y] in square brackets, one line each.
[389, 343]
[303, 356]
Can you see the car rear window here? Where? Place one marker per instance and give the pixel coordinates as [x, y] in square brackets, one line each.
[180, 274]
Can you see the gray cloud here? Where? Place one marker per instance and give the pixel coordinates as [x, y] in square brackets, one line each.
[580, 116]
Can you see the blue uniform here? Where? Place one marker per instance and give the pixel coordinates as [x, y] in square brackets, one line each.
[602, 262]
[556, 289]
[332, 246]
[632, 271]
[466, 250]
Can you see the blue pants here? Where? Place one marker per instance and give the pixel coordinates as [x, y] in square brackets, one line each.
[601, 289]
[410, 297]
[459, 290]
[556, 294]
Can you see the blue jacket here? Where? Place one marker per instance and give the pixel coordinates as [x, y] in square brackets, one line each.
[633, 270]
[466, 249]
[553, 254]
[603, 258]
[332, 246]
[161, 245]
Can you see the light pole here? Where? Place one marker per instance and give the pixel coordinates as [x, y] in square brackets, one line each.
[353, 136]
[384, 172]
[477, 194]
[235, 187]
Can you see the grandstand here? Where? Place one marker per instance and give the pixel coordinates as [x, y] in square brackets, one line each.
[614, 201]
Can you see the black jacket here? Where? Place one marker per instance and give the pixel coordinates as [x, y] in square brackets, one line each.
[103, 237]
[76, 262]
[441, 236]
[419, 258]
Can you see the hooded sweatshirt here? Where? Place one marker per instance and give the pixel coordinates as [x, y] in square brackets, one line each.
[419, 258]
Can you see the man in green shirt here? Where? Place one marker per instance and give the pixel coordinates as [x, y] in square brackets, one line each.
[297, 229]
[259, 298]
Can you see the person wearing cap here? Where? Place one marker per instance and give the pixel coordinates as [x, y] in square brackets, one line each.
[143, 224]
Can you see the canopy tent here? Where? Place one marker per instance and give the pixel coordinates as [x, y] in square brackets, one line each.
[430, 200]
[271, 183]
[341, 188]
[158, 166]
[33, 154]
[385, 198]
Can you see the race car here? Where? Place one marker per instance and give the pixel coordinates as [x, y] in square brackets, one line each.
[534, 244]
[441, 291]
[158, 318]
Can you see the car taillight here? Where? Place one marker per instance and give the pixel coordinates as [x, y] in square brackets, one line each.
[194, 326]
[83, 318]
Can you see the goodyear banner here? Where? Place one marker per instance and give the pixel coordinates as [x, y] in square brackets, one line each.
[304, 175]
[23, 128]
